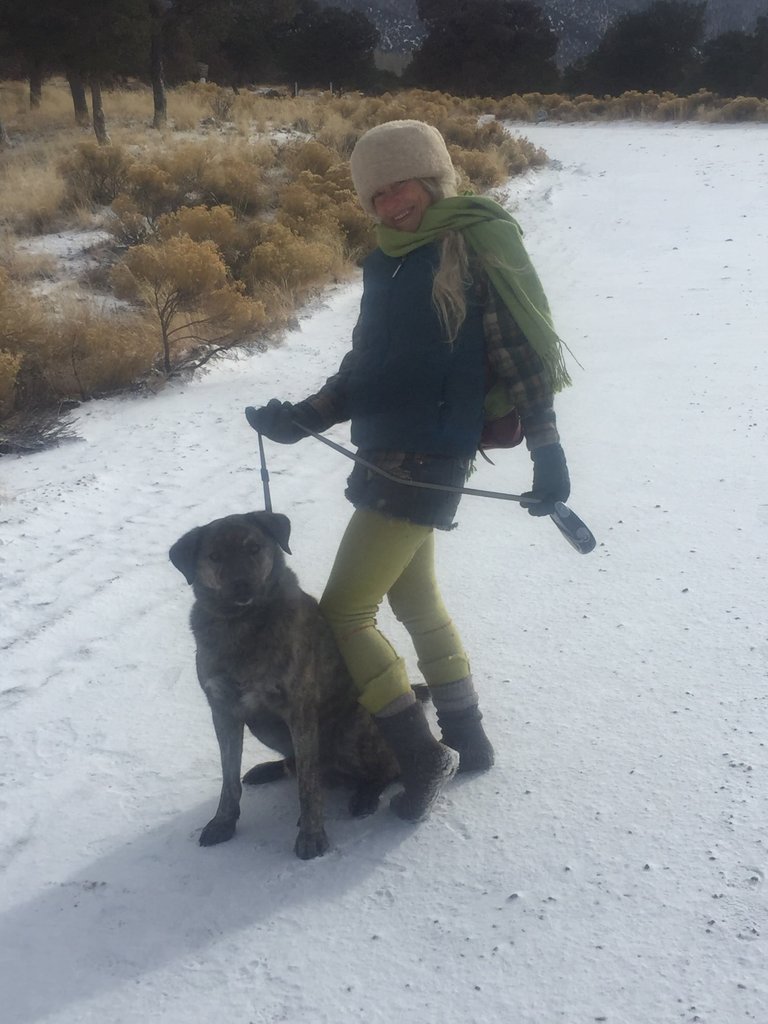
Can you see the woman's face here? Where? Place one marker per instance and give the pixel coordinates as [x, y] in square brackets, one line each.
[402, 205]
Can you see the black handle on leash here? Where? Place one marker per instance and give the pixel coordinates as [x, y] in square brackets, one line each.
[576, 532]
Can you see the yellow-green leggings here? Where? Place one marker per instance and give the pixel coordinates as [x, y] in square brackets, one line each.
[381, 556]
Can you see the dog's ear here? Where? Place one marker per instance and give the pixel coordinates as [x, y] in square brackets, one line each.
[183, 553]
[276, 525]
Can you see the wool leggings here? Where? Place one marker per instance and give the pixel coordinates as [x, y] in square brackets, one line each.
[380, 556]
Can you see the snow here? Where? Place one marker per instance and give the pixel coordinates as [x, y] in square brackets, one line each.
[612, 866]
[72, 255]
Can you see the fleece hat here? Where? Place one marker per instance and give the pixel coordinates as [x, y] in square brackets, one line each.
[396, 151]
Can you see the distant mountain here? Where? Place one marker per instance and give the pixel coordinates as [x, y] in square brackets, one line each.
[579, 23]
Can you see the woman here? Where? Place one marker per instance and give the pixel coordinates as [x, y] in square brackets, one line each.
[450, 306]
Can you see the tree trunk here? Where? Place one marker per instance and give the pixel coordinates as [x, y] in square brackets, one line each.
[77, 89]
[158, 81]
[99, 121]
[4, 140]
[35, 87]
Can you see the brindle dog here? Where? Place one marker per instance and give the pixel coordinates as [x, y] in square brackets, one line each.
[267, 659]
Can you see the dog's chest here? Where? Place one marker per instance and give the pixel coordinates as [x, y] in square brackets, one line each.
[254, 670]
[246, 699]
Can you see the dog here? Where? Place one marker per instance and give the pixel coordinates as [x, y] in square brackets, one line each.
[267, 659]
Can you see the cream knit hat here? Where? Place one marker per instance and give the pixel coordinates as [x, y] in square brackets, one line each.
[396, 151]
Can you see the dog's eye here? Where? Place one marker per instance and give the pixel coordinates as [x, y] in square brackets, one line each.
[252, 549]
[214, 556]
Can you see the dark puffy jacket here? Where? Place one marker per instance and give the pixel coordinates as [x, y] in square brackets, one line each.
[407, 388]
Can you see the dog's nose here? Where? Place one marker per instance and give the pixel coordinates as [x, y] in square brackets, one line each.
[241, 591]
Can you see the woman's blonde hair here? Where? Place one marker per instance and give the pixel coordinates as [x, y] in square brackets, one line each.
[449, 296]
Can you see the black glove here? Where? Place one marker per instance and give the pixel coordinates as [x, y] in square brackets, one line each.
[551, 482]
[275, 420]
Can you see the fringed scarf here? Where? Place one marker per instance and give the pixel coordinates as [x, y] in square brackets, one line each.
[496, 238]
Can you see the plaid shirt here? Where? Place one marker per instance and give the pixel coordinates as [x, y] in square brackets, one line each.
[510, 357]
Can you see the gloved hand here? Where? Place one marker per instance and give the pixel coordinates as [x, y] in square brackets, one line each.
[551, 482]
[275, 421]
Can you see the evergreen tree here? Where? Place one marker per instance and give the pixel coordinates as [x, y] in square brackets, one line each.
[652, 49]
[489, 47]
[245, 52]
[729, 64]
[327, 45]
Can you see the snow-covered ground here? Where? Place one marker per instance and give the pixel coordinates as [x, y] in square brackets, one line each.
[612, 866]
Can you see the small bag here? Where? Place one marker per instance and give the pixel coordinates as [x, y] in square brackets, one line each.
[502, 427]
[504, 432]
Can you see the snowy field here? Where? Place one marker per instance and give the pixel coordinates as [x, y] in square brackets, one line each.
[612, 866]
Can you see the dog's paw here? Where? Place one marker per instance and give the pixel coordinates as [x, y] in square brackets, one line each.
[311, 844]
[218, 830]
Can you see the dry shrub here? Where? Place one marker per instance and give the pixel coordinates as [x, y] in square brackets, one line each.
[188, 105]
[231, 173]
[218, 225]
[670, 109]
[128, 225]
[700, 103]
[309, 156]
[315, 206]
[633, 104]
[469, 134]
[129, 104]
[21, 317]
[520, 154]
[185, 163]
[198, 308]
[484, 170]
[94, 175]
[90, 353]
[48, 356]
[566, 111]
[512, 108]
[742, 108]
[54, 114]
[154, 191]
[240, 183]
[10, 364]
[31, 189]
[296, 266]
[337, 134]
[28, 266]
[211, 100]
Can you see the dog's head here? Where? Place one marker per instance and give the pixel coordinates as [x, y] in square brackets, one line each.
[232, 560]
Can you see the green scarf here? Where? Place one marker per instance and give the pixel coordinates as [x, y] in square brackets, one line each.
[496, 237]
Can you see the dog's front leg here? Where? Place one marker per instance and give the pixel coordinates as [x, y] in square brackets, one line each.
[311, 840]
[229, 733]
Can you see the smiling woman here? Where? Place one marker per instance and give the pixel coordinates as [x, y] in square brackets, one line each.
[450, 303]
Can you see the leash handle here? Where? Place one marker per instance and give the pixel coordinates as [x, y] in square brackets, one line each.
[577, 533]
[264, 475]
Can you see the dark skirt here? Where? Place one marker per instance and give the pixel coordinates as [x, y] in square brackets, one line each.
[402, 500]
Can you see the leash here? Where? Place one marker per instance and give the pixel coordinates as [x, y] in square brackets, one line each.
[575, 531]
